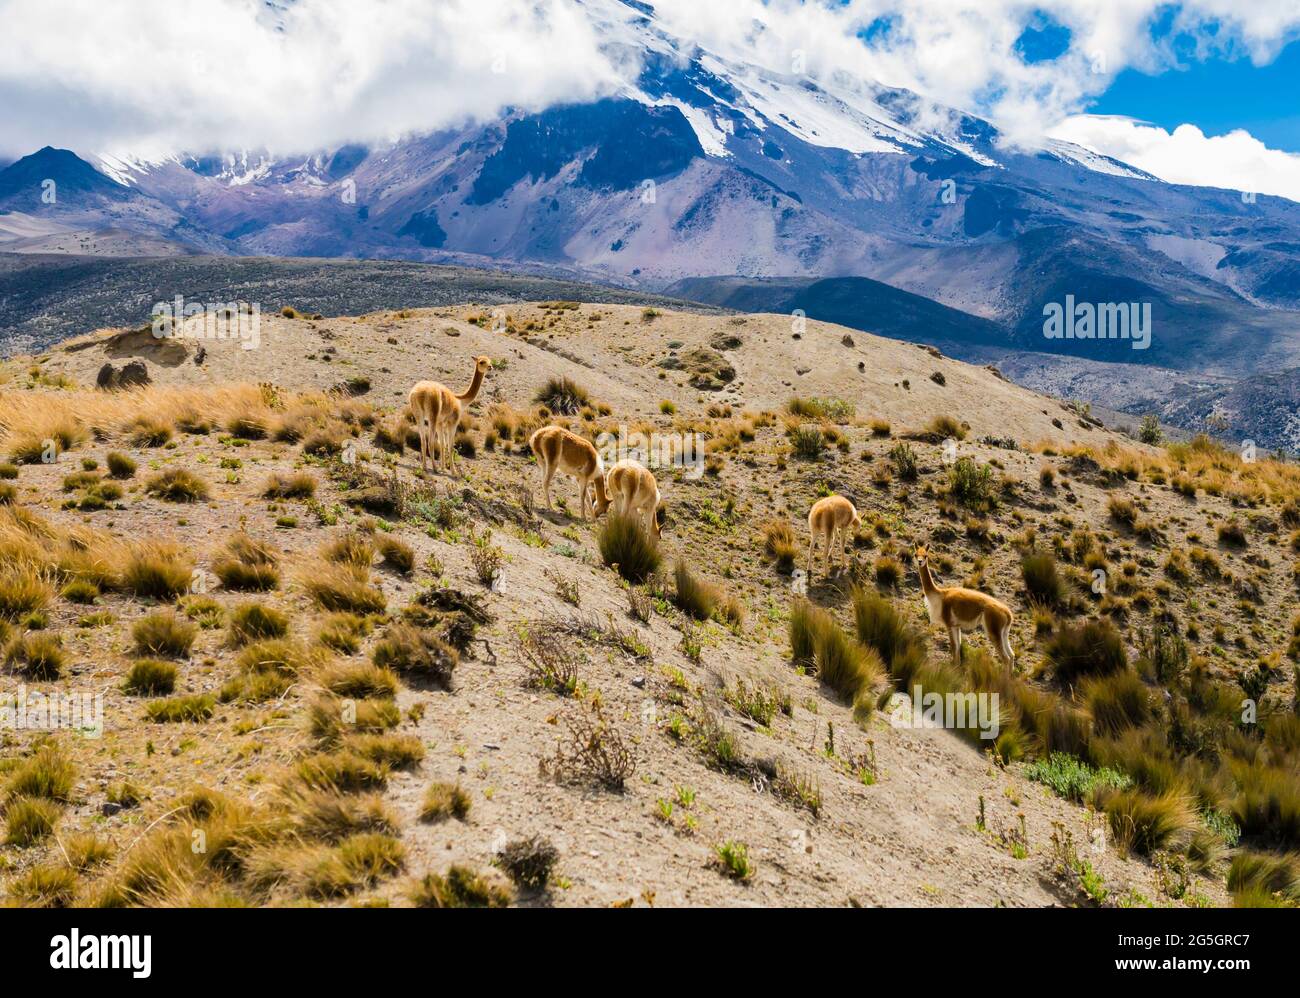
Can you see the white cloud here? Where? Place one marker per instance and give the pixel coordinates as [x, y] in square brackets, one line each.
[147, 76]
[1236, 161]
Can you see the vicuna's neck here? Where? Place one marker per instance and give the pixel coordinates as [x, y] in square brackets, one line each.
[471, 393]
[927, 580]
[601, 495]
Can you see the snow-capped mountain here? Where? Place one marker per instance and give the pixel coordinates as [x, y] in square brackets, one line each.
[703, 167]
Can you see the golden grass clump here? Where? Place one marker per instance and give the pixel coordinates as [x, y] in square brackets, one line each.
[299, 485]
[164, 633]
[418, 652]
[256, 622]
[627, 547]
[342, 587]
[444, 800]
[37, 655]
[780, 545]
[694, 595]
[150, 677]
[246, 564]
[177, 485]
[460, 887]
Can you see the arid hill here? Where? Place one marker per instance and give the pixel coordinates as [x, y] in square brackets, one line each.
[351, 684]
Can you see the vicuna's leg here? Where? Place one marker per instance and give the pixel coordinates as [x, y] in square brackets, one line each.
[548, 472]
[812, 544]
[828, 538]
[844, 543]
[954, 638]
[424, 446]
[1000, 638]
[582, 495]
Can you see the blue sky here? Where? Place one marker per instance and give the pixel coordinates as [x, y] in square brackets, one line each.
[1217, 95]
[1202, 79]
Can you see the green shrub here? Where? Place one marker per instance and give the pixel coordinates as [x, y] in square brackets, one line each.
[1072, 778]
[808, 441]
[904, 458]
[971, 483]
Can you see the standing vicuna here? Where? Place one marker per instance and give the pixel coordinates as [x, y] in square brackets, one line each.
[824, 519]
[631, 487]
[437, 410]
[557, 449]
[960, 610]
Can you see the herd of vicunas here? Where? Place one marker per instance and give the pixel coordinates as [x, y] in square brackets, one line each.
[630, 488]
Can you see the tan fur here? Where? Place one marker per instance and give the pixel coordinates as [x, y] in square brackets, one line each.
[437, 410]
[557, 449]
[959, 609]
[631, 487]
[834, 513]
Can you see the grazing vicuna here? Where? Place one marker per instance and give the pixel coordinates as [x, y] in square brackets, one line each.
[631, 488]
[437, 410]
[557, 449]
[834, 513]
[960, 609]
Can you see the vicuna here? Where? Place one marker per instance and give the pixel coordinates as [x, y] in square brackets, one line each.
[960, 610]
[437, 411]
[557, 449]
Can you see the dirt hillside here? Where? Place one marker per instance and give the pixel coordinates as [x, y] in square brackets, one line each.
[460, 601]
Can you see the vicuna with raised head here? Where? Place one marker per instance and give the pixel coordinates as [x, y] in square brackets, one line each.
[959, 609]
[437, 410]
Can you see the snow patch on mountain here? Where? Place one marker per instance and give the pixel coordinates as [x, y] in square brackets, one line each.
[1095, 161]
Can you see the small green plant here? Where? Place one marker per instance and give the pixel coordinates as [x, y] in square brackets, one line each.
[1072, 778]
[904, 458]
[971, 483]
[808, 441]
[733, 859]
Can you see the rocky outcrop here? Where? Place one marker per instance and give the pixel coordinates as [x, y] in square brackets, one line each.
[131, 375]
